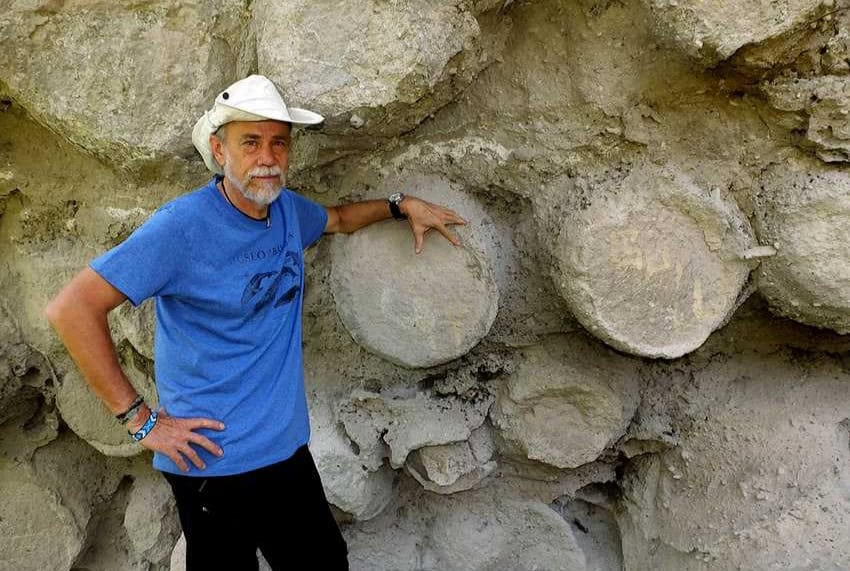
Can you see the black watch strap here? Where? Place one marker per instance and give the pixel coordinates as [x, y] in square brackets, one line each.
[394, 201]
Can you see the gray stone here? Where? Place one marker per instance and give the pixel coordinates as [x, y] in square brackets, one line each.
[568, 400]
[87, 416]
[137, 325]
[391, 63]
[37, 531]
[481, 530]
[49, 501]
[151, 518]
[803, 210]
[824, 103]
[596, 532]
[416, 310]
[711, 31]
[124, 80]
[355, 483]
[452, 468]
[754, 480]
[405, 422]
[649, 263]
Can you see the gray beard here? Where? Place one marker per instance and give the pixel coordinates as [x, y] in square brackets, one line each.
[261, 198]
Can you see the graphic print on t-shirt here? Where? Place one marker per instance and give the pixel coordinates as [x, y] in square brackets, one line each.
[263, 287]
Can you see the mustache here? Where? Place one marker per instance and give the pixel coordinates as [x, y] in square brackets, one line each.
[264, 171]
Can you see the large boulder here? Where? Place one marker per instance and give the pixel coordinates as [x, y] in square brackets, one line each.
[568, 400]
[711, 31]
[124, 80]
[418, 310]
[803, 210]
[649, 262]
[374, 67]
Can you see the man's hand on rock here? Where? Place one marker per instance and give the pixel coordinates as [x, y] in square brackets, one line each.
[424, 216]
[174, 437]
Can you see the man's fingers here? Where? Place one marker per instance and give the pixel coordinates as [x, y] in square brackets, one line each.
[454, 218]
[418, 238]
[206, 443]
[441, 228]
[178, 459]
[196, 423]
[189, 452]
[450, 216]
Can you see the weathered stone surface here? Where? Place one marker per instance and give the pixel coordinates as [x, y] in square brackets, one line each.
[414, 310]
[137, 324]
[37, 532]
[595, 531]
[452, 468]
[380, 68]
[711, 31]
[568, 400]
[356, 484]
[582, 92]
[24, 373]
[472, 531]
[762, 458]
[405, 422]
[803, 210]
[151, 518]
[91, 420]
[824, 103]
[49, 496]
[650, 263]
[123, 80]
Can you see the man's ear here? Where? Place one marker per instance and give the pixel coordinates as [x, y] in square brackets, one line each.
[217, 148]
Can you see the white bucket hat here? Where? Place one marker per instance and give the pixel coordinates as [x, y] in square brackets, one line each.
[254, 98]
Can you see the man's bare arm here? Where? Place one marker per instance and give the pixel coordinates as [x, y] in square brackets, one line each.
[421, 215]
[79, 316]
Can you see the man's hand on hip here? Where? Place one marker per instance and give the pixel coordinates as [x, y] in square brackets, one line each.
[174, 436]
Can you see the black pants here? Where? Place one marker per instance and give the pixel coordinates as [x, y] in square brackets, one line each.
[280, 509]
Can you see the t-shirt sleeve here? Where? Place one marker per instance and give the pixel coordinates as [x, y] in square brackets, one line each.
[312, 218]
[146, 264]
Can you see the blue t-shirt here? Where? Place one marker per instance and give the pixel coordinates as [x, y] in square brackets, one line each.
[228, 291]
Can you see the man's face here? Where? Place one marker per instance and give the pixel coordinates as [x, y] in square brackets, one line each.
[255, 157]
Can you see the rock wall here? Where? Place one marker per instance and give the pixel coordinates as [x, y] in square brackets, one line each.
[637, 360]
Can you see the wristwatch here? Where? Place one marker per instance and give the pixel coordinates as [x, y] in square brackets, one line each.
[395, 199]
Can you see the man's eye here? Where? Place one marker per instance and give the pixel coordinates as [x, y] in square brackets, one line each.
[250, 143]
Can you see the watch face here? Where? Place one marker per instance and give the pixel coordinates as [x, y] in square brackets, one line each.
[396, 197]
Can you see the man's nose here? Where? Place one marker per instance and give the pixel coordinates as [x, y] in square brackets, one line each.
[267, 158]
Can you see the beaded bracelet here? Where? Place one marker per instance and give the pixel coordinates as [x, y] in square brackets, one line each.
[125, 416]
[146, 428]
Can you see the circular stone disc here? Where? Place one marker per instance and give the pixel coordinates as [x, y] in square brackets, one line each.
[414, 310]
[87, 416]
[652, 266]
[803, 210]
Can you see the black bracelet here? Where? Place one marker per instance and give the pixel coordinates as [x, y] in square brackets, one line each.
[125, 416]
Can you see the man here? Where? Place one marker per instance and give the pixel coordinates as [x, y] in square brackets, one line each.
[225, 264]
